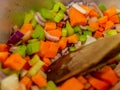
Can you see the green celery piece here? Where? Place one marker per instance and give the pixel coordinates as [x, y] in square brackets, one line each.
[83, 38]
[118, 57]
[33, 22]
[34, 60]
[33, 48]
[47, 14]
[59, 16]
[119, 16]
[62, 6]
[69, 28]
[38, 33]
[8, 71]
[102, 7]
[72, 49]
[33, 40]
[33, 70]
[64, 32]
[28, 17]
[78, 34]
[86, 32]
[77, 29]
[21, 50]
[56, 7]
[111, 32]
[51, 86]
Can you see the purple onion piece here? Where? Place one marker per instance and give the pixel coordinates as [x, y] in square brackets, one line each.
[16, 37]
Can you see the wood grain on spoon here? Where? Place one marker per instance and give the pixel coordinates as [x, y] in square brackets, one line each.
[84, 58]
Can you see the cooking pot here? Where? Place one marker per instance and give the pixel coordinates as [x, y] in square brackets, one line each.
[12, 11]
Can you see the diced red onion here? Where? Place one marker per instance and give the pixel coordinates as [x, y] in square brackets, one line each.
[13, 48]
[56, 57]
[89, 40]
[35, 87]
[94, 6]
[78, 44]
[65, 51]
[50, 37]
[39, 21]
[16, 37]
[27, 36]
[23, 73]
[83, 27]
[93, 19]
[79, 8]
[40, 17]
[43, 74]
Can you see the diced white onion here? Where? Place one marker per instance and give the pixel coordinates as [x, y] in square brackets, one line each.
[89, 40]
[79, 8]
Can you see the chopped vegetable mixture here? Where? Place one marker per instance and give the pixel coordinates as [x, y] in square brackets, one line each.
[48, 34]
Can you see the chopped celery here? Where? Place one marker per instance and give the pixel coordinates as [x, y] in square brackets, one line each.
[28, 17]
[62, 6]
[33, 22]
[33, 40]
[77, 29]
[71, 49]
[59, 16]
[56, 7]
[21, 50]
[119, 16]
[83, 38]
[64, 32]
[34, 60]
[38, 33]
[78, 34]
[35, 68]
[47, 14]
[69, 28]
[111, 32]
[8, 71]
[51, 85]
[102, 7]
[86, 32]
[33, 48]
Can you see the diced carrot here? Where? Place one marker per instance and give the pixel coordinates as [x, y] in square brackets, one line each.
[76, 18]
[98, 34]
[111, 11]
[57, 32]
[91, 88]
[27, 66]
[48, 49]
[60, 24]
[109, 25]
[114, 19]
[103, 20]
[88, 9]
[46, 61]
[82, 79]
[15, 62]
[39, 80]
[108, 75]
[3, 56]
[52, 50]
[27, 82]
[25, 28]
[101, 29]
[62, 43]
[19, 88]
[72, 39]
[94, 25]
[98, 84]
[43, 48]
[93, 13]
[72, 84]
[4, 47]
[49, 25]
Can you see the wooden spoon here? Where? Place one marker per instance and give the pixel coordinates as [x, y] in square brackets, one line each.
[81, 60]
